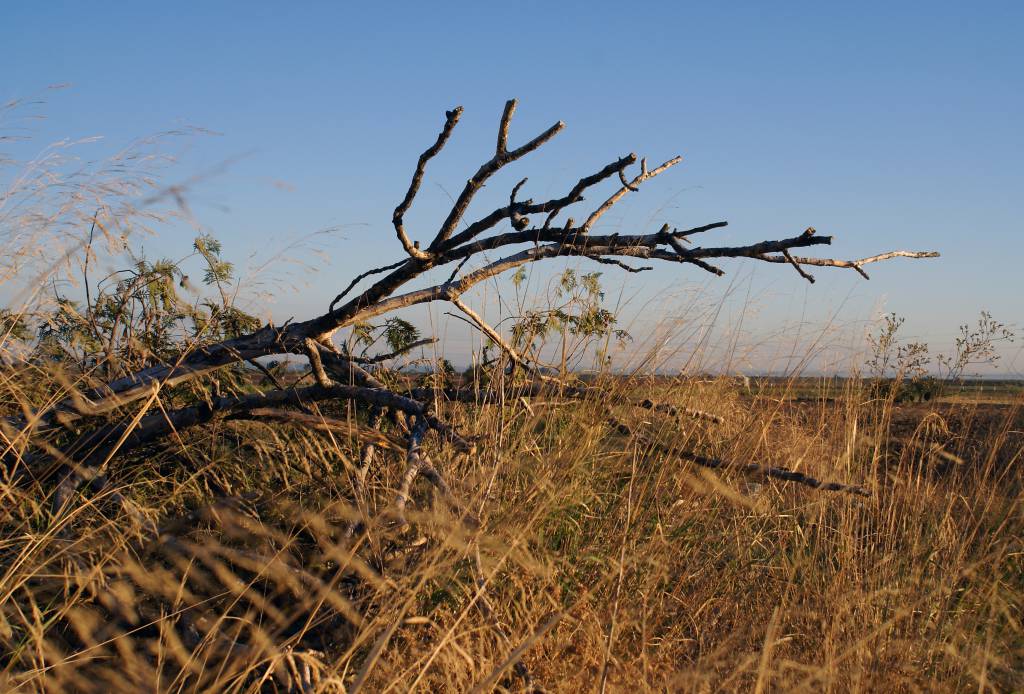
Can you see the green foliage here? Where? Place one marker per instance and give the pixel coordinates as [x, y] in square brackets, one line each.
[218, 271]
[920, 390]
[14, 326]
[223, 322]
[362, 334]
[399, 334]
[578, 315]
[64, 328]
[136, 317]
[206, 245]
[519, 276]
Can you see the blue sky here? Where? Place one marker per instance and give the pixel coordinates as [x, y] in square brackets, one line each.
[889, 125]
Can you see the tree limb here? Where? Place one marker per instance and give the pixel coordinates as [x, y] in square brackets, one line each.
[381, 298]
[398, 218]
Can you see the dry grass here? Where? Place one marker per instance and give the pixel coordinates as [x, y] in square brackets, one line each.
[221, 559]
[607, 563]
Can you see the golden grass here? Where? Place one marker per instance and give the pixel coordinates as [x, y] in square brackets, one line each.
[605, 563]
[221, 559]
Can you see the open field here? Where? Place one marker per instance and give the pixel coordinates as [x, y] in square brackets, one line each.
[990, 391]
[597, 555]
[197, 498]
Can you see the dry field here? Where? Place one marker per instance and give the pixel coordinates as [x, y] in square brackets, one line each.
[178, 513]
[602, 558]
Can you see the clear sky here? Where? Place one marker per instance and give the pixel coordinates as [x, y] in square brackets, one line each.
[889, 125]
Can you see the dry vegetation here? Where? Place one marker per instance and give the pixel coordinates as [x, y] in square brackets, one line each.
[177, 515]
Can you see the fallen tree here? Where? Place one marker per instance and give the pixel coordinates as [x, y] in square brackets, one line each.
[174, 384]
[535, 235]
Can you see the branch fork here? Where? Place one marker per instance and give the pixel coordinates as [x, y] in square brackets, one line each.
[524, 243]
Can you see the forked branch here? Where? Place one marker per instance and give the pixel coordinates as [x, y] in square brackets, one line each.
[398, 218]
[524, 241]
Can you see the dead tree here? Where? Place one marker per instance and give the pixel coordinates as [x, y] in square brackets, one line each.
[533, 233]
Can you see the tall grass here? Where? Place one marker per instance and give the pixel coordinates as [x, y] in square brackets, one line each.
[604, 559]
[580, 556]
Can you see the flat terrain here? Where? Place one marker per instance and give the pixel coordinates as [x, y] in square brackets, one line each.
[584, 539]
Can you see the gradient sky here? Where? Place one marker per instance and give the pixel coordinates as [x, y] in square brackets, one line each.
[888, 125]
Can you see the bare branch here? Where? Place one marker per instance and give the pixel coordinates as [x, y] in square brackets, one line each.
[618, 263]
[674, 411]
[266, 372]
[626, 184]
[380, 358]
[496, 338]
[519, 221]
[553, 207]
[754, 469]
[360, 278]
[576, 194]
[366, 456]
[381, 298]
[344, 368]
[644, 175]
[414, 464]
[458, 268]
[698, 230]
[506, 121]
[451, 118]
[806, 275]
[645, 246]
[313, 352]
[687, 256]
[489, 168]
[852, 264]
[369, 434]
[100, 445]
